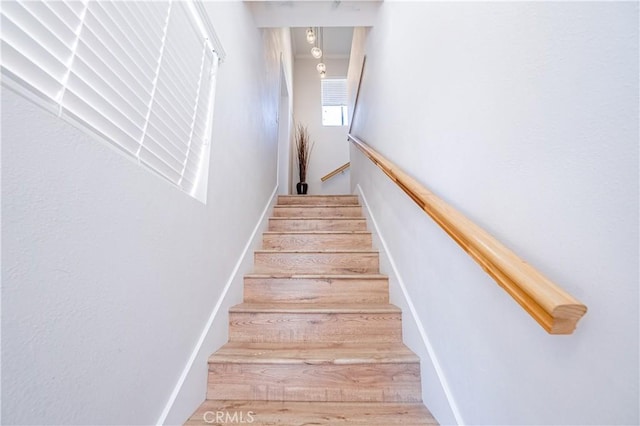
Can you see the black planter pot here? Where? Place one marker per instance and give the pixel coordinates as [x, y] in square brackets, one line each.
[302, 187]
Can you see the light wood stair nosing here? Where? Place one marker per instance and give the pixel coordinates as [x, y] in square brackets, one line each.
[294, 211]
[314, 289]
[327, 218]
[310, 232]
[302, 308]
[315, 206]
[319, 251]
[313, 354]
[316, 196]
[317, 224]
[297, 275]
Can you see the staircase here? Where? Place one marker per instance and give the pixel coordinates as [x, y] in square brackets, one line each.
[316, 341]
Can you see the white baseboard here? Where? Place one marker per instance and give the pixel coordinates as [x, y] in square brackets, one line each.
[214, 312]
[425, 339]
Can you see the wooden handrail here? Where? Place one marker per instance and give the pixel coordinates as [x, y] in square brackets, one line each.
[553, 308]
[340, 169]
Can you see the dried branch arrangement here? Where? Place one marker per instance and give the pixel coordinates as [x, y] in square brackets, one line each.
[304, 145]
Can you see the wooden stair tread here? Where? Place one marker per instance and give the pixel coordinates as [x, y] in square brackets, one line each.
[316, 210]
[316, 288]
[329, 223]
[317, 261]
[315, 413]
[345, 218]
[318, 276]
[313, 353]
[329, 206]
[317, 196]
[315, 232]
[316, 308]
[317, 240]
[311, 251]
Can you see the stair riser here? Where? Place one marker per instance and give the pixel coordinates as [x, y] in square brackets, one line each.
[316, 241]
[310, 211]
[304, 290]
[314, 327]
[317, 225]
[300, 382]
[316, 200]
[317, 263]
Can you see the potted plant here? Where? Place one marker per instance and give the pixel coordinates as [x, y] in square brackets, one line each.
[303, 151]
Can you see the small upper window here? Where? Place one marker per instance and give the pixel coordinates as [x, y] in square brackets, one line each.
[334, 102]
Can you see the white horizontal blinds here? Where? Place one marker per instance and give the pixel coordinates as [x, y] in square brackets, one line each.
[334, 92]
[201, 130]
[140, 74]
[38, 39]
[169, 146]
[112, 74]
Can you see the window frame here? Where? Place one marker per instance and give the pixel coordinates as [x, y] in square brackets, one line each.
[333, 98]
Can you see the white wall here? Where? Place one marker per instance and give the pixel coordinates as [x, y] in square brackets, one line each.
[524, 116]
[356, 66]
[285, 128]
[331, 149]
[110, 274]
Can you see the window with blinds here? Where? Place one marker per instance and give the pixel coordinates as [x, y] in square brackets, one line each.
[334, 102]
[141, 75]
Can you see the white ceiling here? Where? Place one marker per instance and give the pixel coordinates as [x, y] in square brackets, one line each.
[324, 13]
[336, 41]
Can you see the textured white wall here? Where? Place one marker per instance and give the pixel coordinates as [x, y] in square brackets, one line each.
[524, 116]
[331, 149]
[110, 273]
[281, 37]
[356, 63]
